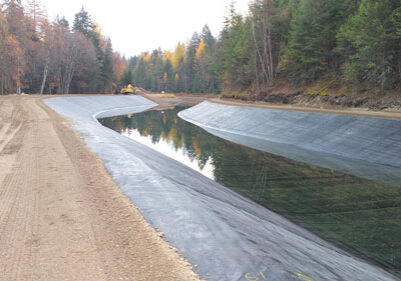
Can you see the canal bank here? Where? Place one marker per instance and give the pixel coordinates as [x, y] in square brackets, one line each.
[223, 233]
[362, 146]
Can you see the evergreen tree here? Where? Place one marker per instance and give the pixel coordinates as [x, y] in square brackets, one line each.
[107, 72]
[139, 74]
[97, 81]
[168, 69]
[127, 77]
[234, 53]
[132, 62]
[207, 37]
[312, 38]
[62, 22]
[371, 41]
[191, 84]
[83, 22]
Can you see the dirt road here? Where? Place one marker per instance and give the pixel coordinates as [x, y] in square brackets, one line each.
[61, 215]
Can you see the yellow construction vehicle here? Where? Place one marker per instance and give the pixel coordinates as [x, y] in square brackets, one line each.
[127, 90]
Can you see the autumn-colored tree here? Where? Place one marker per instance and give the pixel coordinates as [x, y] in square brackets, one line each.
[176, 80]
[119, 65]
[38, 16]
[200, 51]
[167, 56]
[10, 54]
[37, 47]
[37, 56]
[178, 56]
[165, 80]
[190, 68]
[14, 12]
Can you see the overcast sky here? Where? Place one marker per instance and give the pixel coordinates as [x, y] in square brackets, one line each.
[141, 25]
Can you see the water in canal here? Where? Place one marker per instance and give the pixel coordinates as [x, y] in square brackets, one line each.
[360, 215]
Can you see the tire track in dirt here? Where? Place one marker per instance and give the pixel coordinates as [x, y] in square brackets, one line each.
[8, 157]
[15, 204]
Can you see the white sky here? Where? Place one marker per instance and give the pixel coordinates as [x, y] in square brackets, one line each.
[135, 26]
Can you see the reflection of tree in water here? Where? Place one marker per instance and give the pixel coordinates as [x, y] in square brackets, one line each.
[167, 126]
[358, 214]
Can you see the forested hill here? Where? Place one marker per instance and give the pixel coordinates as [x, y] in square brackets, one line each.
[353, 43]
[342, 46]
[40, 56]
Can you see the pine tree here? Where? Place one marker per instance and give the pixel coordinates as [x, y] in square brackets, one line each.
[207, 37]
[371, 40]
[312, 38]
[140, 73]
[97, 80]
[62, 22]
[168, 68]
[234, 55]
[189, 70]
[107, 72]
[127, 77]
[83, 22]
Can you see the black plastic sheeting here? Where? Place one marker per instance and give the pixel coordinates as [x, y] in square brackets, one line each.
[365, 147]
[226, 235]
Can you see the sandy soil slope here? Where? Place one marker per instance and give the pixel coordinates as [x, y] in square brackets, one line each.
[61, 215]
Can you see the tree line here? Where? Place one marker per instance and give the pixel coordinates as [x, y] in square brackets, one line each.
[39, 56]
[189, 68]
[298, 41]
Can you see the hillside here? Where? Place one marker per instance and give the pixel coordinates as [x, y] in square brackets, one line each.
[328, 93]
